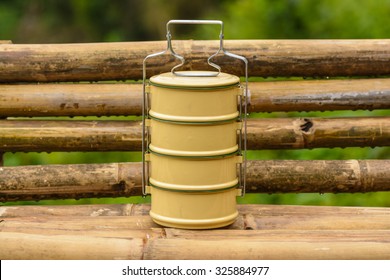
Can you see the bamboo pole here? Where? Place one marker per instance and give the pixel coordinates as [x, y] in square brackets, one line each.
[32, 100]
[59, 247]
[120, 61]
[192, 249]
[124, 179]
[56, 219]
[303, 133]
[20, 246]
[75, 210]
[126, 227]
[269, 244]
[26, 135]
[320, 95]
[275, 133]
[93, 225]
[247, 211]
[126, 99]
[70, 181]
[278, 234]
[321, 176]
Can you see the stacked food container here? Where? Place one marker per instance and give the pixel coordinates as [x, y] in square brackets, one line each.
[192, 147]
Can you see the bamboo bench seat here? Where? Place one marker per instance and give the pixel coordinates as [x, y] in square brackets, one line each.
[125, 231]
[42, 87]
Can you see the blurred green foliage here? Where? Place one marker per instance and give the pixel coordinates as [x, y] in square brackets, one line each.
[51, 21]
[307, 19]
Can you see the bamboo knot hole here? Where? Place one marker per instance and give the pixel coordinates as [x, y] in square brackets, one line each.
[120, 187]
[64, 106]
[307, 124]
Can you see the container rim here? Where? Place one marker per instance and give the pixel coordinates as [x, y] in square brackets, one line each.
[193, 190]
[235, 153]
[236, 119]
[171, 81]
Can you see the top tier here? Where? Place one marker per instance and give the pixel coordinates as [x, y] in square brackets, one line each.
[194, 98]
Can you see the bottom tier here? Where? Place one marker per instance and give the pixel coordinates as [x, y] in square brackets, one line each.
[194, 210]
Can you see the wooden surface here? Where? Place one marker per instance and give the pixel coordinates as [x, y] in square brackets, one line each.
[263, 133]
[37, 182]
[37, 100]
[260, 232]
[121, 61]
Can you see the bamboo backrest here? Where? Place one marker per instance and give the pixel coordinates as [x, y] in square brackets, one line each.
[48, 80]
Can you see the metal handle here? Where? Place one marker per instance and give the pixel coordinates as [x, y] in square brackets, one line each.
[182, 59]
[243, 98]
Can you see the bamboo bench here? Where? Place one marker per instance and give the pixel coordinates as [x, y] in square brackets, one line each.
[48, 81]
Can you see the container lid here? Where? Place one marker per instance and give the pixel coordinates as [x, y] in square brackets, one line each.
[172, 80]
